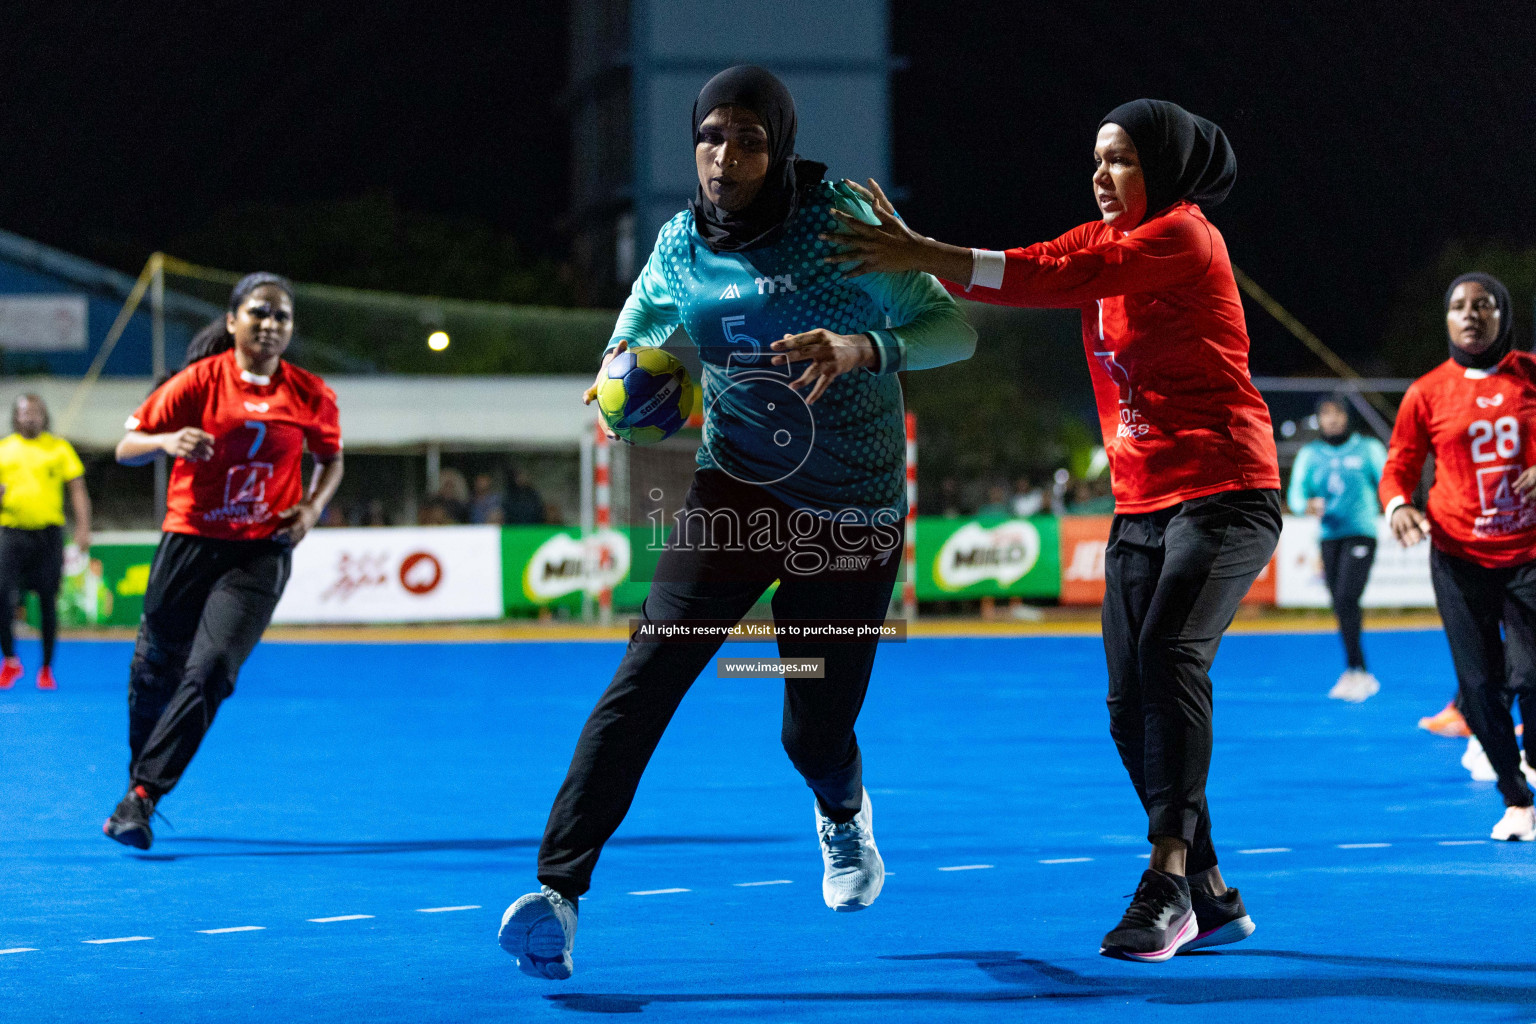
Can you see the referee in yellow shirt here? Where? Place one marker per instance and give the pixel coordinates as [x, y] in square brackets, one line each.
[35, 470]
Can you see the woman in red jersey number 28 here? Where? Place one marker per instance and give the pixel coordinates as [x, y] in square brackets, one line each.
[1473, 412]
[236, 419]
[1191, 455]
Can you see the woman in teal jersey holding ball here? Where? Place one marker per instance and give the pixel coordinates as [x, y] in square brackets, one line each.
[801, 479]
[1335, 478]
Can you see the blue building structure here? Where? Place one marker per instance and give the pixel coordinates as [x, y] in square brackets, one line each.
[636, 67]
[56, 310]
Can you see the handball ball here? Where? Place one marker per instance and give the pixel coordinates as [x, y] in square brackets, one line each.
[645, 395]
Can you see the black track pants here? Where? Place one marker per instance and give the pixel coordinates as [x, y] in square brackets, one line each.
[1173, 581]
[206, 606]
[1473, 602]
[693, 582]
[31, 560]
[1346, 568]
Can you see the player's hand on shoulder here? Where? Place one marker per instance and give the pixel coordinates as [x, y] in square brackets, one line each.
[886, 247]
[1409, 525]
[190, 443]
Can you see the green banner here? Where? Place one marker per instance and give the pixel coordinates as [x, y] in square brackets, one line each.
[549, 567]
[105, 590]
[991, 556]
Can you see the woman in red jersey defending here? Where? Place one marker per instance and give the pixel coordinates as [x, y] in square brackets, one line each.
[1192, 459]
[1473, 412]
[236, 419]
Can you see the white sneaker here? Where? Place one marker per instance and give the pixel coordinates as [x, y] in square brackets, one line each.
[1518, 824]
[1355, 686]
[854, 871]
[1475, 760]
[539, 930]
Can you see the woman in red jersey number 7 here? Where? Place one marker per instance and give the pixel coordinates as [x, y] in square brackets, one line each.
[1473, 412]
[237, 420]
[1191, 456]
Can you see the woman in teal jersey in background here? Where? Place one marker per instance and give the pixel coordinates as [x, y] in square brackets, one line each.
[801, 479]
[1335, 478]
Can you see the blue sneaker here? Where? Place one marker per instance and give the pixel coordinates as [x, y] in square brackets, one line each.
[854, 871]
[539, 930]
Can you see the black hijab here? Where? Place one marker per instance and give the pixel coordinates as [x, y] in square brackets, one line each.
[1503, 341]
[764, 219]
[1338, 401]
[1182, 156]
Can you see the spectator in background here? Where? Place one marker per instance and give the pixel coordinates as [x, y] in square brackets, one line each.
[1090, 498]
[1028, 499]
[997, 503]
[332, 516]
[373, 514]
[523, 505]
[949, 498]
[453, 495]
[486, 507]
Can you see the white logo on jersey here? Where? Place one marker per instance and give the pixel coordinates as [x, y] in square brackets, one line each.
[1490, 403]
[256, 406]
[731, 292]
[770, 285]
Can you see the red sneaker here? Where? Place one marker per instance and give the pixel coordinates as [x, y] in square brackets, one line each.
[10, 671]
[1447, 723]
[45, 680]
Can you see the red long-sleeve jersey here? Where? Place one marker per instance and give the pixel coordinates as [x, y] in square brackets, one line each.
[1475, 422]
[1167, 350]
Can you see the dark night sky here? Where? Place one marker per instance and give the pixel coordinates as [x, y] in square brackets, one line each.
[1368, 134]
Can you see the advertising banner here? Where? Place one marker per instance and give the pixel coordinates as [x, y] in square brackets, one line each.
[106, 588]
[1399, 577]
[407, 574]
[1083, 540]
[551, 566]
[959, 559]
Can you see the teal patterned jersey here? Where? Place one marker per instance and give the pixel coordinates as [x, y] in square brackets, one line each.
[848, 450]
[1346, 477]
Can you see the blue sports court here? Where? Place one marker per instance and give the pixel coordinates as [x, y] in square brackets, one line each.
[361, 814]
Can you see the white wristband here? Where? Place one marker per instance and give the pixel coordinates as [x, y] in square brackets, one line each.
[987, 267]
[1394, 505]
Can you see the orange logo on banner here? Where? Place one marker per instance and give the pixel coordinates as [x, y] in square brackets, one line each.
[1083, 539]
[420, 573]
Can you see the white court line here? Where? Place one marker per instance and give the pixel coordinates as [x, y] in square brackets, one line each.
[226, 931]
[657, 892]
[1067, 860]
[775, 881]
[1364, 846]
[343, 917]
[967, 867]
[126, 938]
[19, 949]
[446, 910]
[1462, 842]
[1268, 849]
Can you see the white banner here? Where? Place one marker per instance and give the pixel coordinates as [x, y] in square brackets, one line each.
[410, 574]
[42, 323]
[1399, 577]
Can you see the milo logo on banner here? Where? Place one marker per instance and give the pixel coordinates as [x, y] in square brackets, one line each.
[975, 553]
[564, 564]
